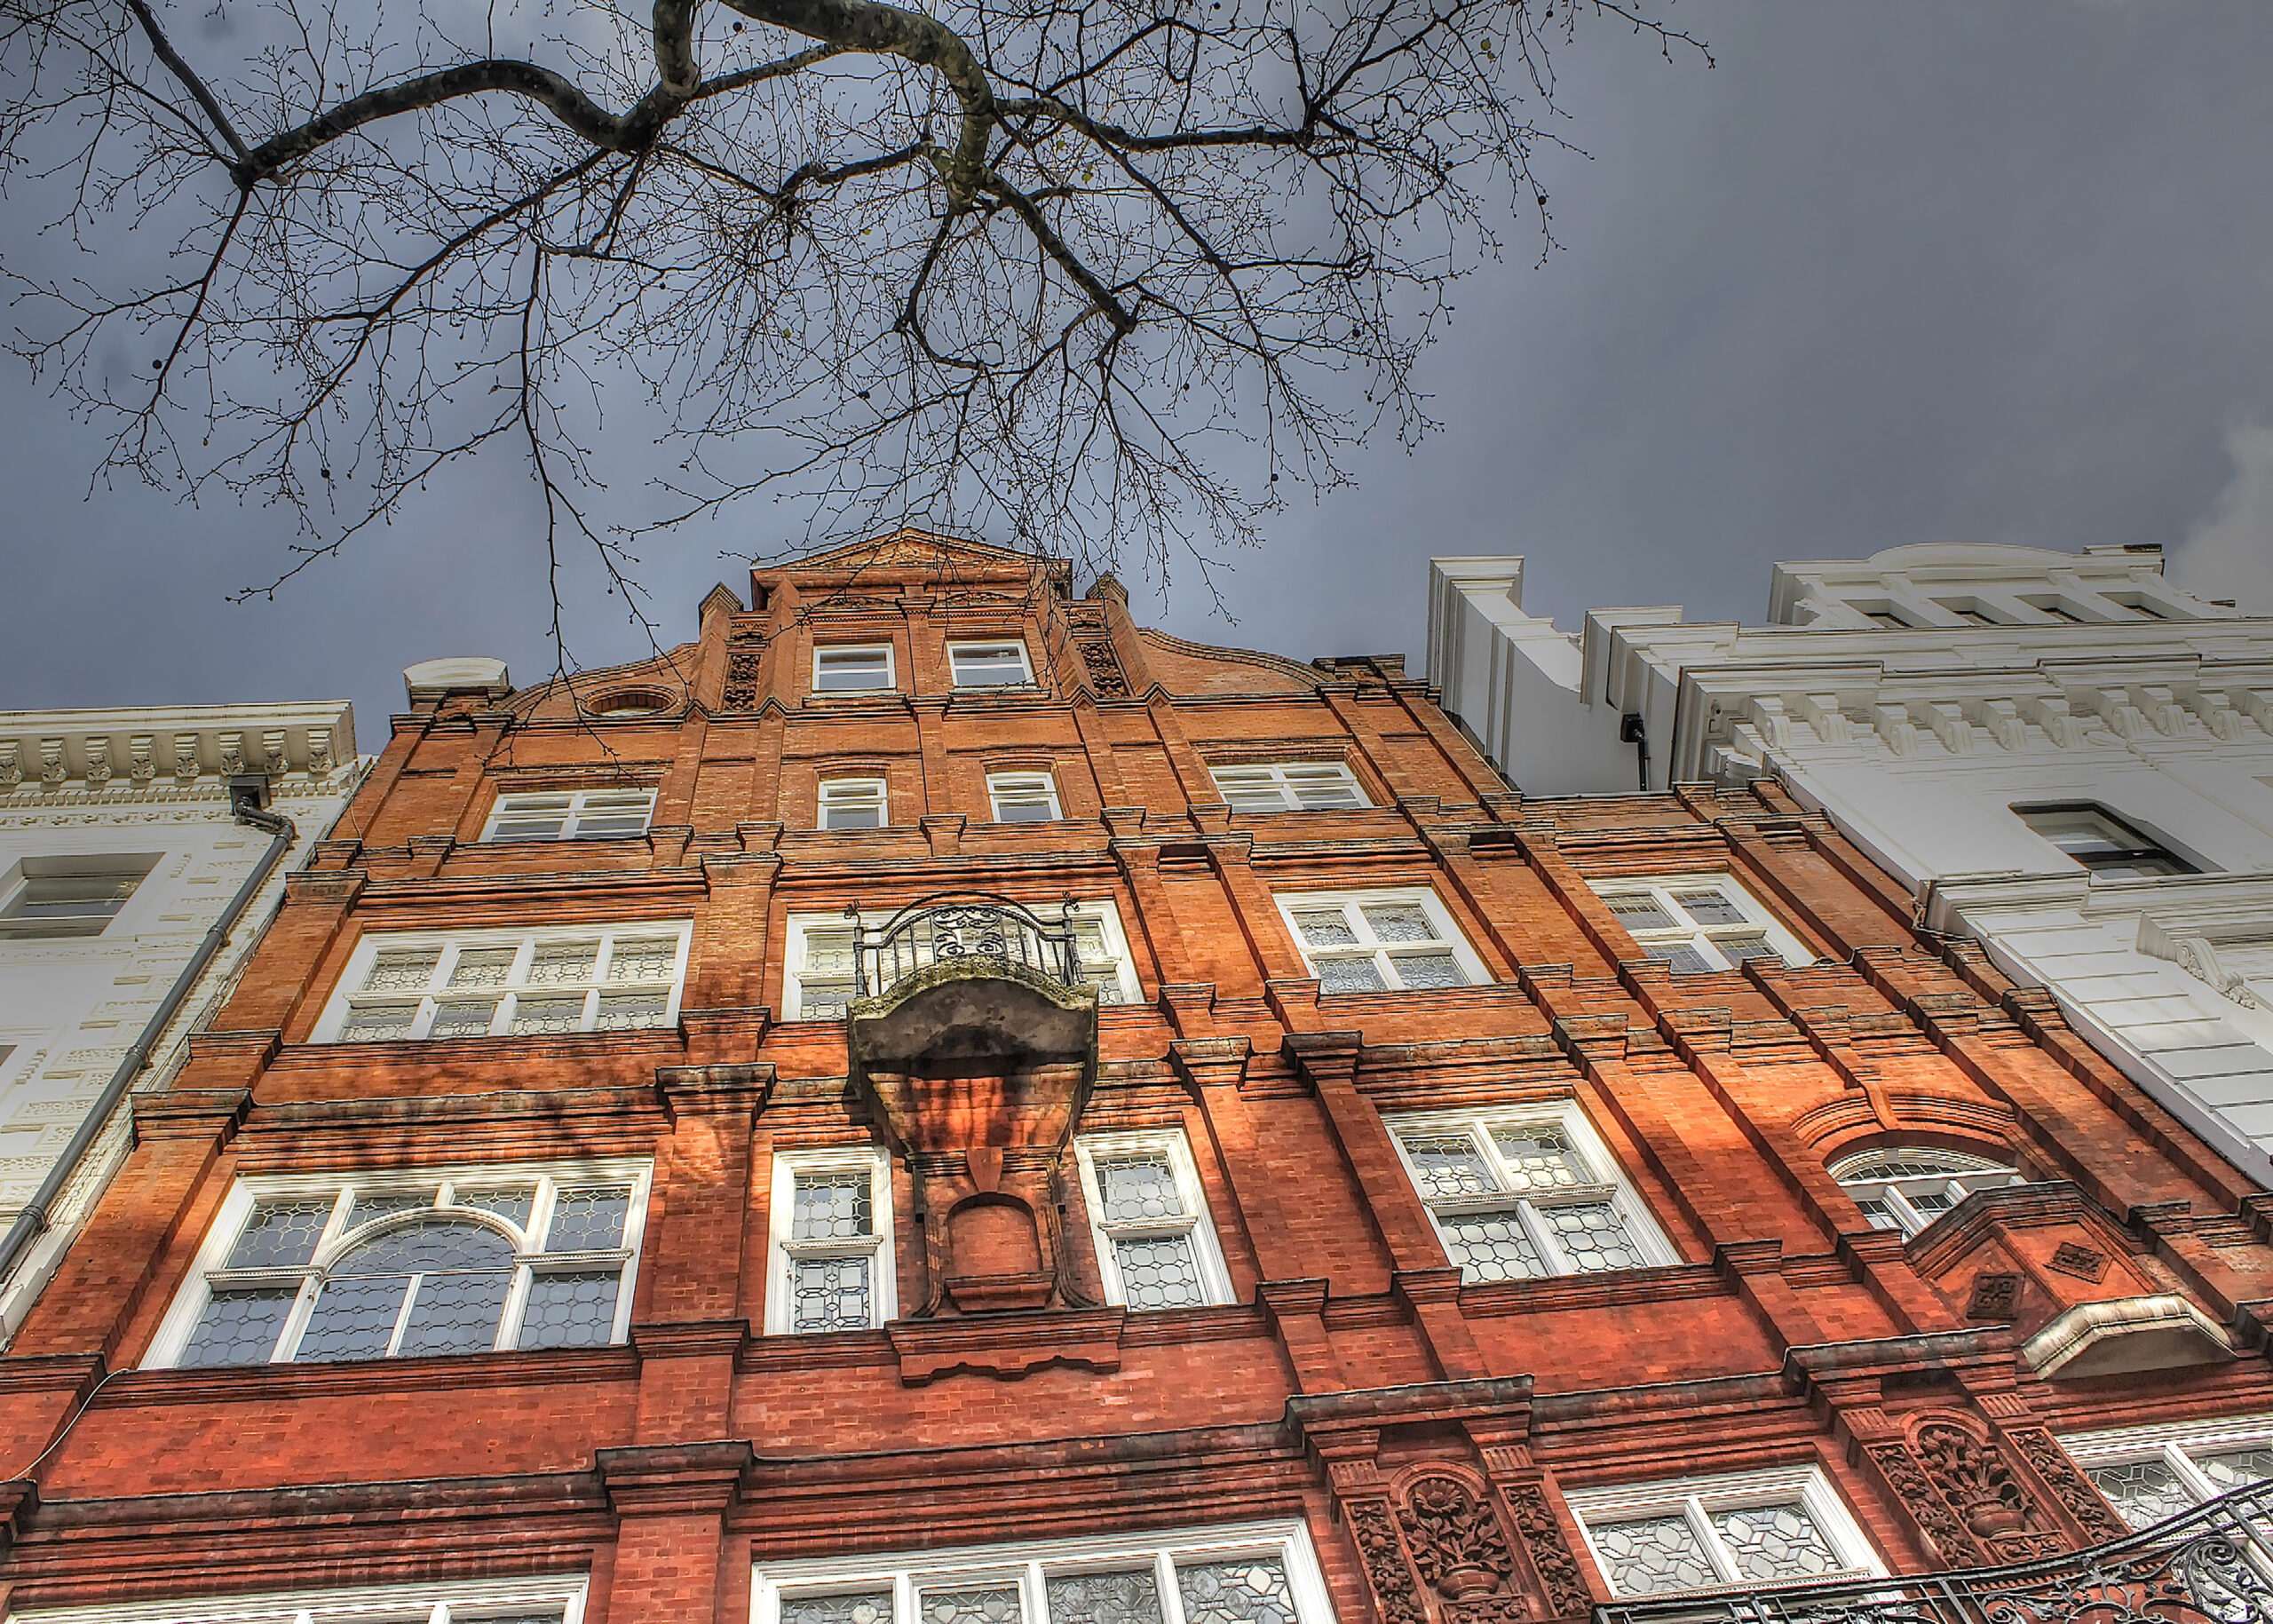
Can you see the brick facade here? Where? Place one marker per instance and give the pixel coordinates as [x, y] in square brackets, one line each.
[1423, 1429]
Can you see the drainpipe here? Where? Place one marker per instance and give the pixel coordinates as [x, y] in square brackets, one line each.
[1630, 732]
[33, 1221]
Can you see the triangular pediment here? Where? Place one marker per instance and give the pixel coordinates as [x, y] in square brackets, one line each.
[919, 549]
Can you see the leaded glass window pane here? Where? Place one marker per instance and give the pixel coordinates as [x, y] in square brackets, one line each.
[377, 1023]
[643, 959]
[1653, 1556]
[1399, 921]
[483, 966]
[464, 1019]
[1539, 1157]
[589, 1220]
[1593, 1237]
[533, 1014]
[1489, 1245]
[571, 1310]
[374, 1204]
[436, 1244]
[1327, 928]
[1159, 1272]
[1350, 976]
[280, 1234]
[1450, 1164]
[831, 1207]
[354, 1319]
[983, 1604]
[829, 1294]
[1738, 948]
[1684, 959]
[867, 1607]
[405, 971]
[1423, 970]
[629, 1011]
[1640, 913]
[238, 1326]
[828, 953]
[555, 963]
[510, 1203]
[1138, 1186]
[1709, 907]
[2236, 1469]
[2143, 1493]
[1776, 1542]
[1247, 1590]
[456, 1311]
[1103, 1598]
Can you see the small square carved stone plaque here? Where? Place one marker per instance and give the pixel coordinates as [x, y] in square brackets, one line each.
[2079, 1260]
[1995, 1297]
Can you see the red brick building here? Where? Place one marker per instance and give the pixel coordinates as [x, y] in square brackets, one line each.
[930, 1105]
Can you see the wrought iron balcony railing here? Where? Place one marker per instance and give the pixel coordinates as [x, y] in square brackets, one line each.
[2212, 1564]
[967, 928]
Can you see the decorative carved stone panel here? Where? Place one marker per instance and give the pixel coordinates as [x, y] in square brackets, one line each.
[2060, 1474]
[1454, 1538]
[1103, 668]
[1964, 1496]
[1388, 1573]
[1532, 1517]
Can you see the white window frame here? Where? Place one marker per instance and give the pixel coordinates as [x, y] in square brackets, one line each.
[1698, 936]
[452, 943]
[577, 804]
[17, 878]
[2172, 1445]
[782, 1252]
[550, 1178]
[1027, 1565]
[1282, 782]
[854, 791]
[1697, 1498]
[1384, 955]
[1957, 1183]
[1195, 1223]
[1102, 913]
[890, 684]
[960, 646]
[470, 1600]
[1022, 786]
[1616, 1190]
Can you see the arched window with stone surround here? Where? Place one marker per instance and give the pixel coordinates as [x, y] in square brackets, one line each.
[1907, 1188]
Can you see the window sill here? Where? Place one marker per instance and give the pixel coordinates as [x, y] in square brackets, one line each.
[1613, 1289]
[206, 1384]
[487, 1047]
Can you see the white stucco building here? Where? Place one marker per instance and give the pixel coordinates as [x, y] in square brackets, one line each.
[140, 855]
[2064, 754]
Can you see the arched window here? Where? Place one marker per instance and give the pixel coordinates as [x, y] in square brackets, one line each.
[1909, 1188]
[435, 1286]
[499, 1259]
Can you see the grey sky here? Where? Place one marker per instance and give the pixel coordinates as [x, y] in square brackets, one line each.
[1940, 270]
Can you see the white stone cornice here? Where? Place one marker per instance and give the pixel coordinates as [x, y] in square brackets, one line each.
[2001, 719]
[1946, 718]
[56, 748]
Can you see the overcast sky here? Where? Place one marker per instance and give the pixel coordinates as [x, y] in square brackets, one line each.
[1907, 270]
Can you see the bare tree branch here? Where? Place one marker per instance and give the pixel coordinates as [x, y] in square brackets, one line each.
[1114, 276]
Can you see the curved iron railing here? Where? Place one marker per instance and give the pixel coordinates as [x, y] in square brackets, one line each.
[2212, 1564]
[973, 927]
